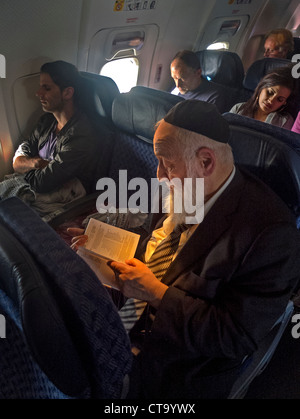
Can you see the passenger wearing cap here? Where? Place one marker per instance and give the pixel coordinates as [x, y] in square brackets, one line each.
[230, 278]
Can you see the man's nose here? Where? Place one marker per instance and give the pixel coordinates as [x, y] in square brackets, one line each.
[161, 173]
[178, 83]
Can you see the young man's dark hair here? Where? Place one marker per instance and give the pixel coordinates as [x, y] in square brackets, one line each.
[64, 75]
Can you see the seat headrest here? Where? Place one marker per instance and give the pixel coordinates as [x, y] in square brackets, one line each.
[296, 45]
[272, 153]
[260, 68]
[296, 48]
[137, 111]
[98, 93]
[223, 67]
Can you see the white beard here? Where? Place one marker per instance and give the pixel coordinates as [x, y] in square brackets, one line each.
[174, 203]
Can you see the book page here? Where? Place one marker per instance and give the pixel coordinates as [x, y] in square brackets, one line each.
[111, 242]
[105, 243]
[99, 265]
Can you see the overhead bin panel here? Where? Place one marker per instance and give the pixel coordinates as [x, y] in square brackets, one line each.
[108, 43]
[225, 30]
[114, 43]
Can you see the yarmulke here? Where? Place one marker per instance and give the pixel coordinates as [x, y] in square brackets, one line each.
[200, 117]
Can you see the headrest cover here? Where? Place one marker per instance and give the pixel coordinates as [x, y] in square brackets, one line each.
[200, 117]
[137, 111]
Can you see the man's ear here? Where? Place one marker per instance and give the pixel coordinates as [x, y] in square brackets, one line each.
[68, 92]
[207, 160]
[199, 72]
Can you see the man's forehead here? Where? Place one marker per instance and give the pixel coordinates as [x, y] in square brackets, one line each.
[180, 66]
[273, 39]
[163, 141]
[45, 78]
[164, 130]
[165, 149]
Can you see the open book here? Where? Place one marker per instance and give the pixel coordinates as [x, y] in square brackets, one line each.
[107, 242]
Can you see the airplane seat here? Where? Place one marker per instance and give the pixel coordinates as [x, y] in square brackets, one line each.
[99, 93]
[222, 67]
[296, 48]
[95, 97]
[75, 345]
[144, 107]
[259, 69]
[134, 115]
[255, 364]
[271, 153]
[20, 375]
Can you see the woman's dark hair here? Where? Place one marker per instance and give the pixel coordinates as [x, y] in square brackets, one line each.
[64, 75]
[281, 76]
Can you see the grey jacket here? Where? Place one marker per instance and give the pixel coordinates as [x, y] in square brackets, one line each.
[283, 120]
[76, 155]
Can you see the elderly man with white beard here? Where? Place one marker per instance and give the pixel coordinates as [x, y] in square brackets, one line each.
[214, 287]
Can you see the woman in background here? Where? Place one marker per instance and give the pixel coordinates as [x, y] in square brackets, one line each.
[273, 94]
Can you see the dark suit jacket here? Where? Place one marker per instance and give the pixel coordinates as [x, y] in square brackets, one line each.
[221, 96]
[227, 287]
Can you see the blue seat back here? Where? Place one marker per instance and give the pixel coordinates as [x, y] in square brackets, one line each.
[98, 93]
[271, 153]
[68, 319]
[259, 69]
[20, 375]
[222, 67]
[254, 365]
[135, 115]
[296, 48]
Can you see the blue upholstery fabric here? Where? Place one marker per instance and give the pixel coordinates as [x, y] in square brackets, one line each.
[27, 286]
[96, 96]
[137, 157]
[135, 115]
[20, 375]
[99, 93]
[259, 68]
[223, 67]
[87, 310]
[271, 153]
[296, 48]
[296, 45]
[138, 111]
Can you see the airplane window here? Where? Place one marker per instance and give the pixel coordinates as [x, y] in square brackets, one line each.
[219, 46]
[123, 71]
